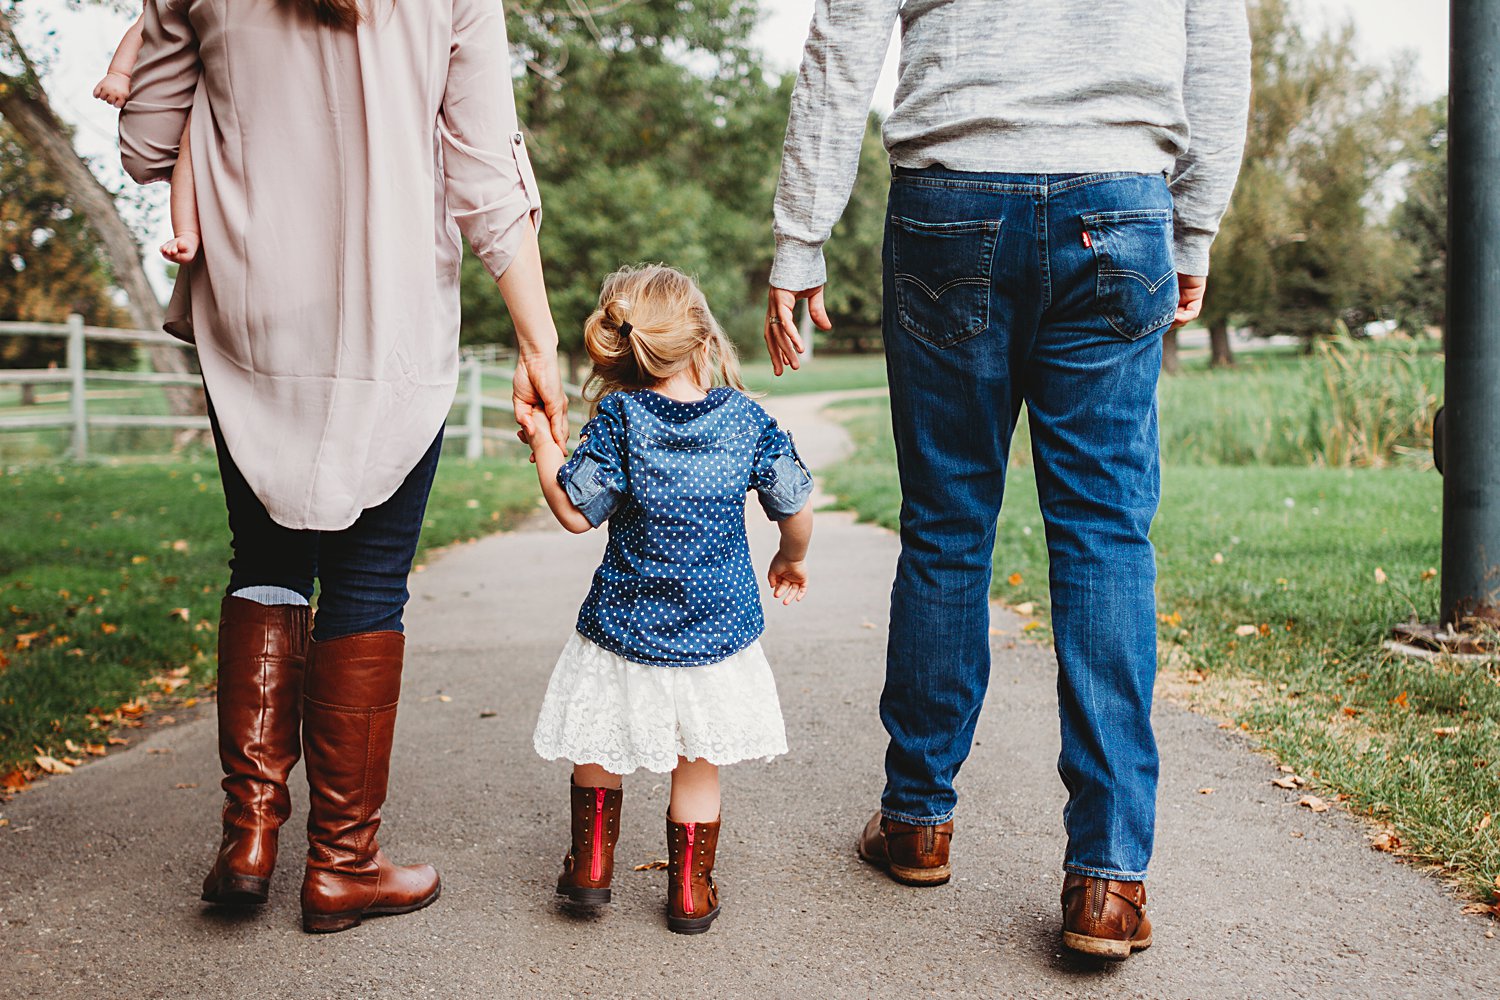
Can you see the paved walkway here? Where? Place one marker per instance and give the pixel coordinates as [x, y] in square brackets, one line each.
[1252, 897]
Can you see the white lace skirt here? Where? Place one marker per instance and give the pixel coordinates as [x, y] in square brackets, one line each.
[603, 709]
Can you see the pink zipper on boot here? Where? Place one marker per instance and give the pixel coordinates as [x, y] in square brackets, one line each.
[596, 867]
[687, 870]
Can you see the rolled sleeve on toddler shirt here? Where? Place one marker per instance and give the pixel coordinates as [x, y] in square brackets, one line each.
[594, 477]
[779, 476]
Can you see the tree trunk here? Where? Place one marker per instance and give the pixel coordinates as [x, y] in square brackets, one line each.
[1221, 355]
[24, 104]
[1169, 361]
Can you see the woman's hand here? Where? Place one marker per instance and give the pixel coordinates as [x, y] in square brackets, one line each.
[788, 578]
[537, 392]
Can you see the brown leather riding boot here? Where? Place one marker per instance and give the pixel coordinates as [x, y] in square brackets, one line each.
[692, 895]
[262, 652]
[349, 720]
[910, 854]
[590, 864]
[1104, 917]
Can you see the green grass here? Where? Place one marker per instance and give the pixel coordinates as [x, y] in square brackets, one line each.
[95, 563]
[1300, 548]
[823, 373]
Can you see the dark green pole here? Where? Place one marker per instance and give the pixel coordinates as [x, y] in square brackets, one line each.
[1471, 470]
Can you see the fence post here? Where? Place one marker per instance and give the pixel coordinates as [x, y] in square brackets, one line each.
[78, 395]
[474, 442]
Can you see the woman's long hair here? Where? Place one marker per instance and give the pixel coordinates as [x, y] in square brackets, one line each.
[339, 13]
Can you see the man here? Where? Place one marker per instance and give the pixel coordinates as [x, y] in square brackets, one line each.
[1059, 171]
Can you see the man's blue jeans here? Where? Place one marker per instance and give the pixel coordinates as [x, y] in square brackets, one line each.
[362, 570]
[1053, 291]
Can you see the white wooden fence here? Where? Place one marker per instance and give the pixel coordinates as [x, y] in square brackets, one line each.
[487, 360]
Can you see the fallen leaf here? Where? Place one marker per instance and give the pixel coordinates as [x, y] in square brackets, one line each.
[108, 629]
[1443, 731]
[1246, 630]
[117, 741]
[137, 560]
[1314, 803]
[487, 714]
[1218, 559]
[95, 749]
[181, 545]
[866, 624]
[652, 866]
[1484, 825]
[15, 781]
[1025, 608]
[1286, 769]
[1386, 842]
[1206, 791]
[1380, 576]
[181, 613]
[1288, 783]
[1014, 579]
[1351, 711]
[1428, 574]
[186, 784]
[52, 765]
[1030, 625]
[1400, 700]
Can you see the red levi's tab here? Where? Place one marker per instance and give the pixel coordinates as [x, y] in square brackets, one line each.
[1088, 240]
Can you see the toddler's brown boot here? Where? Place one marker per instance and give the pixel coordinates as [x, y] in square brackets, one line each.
[692, 896]
[590, 864]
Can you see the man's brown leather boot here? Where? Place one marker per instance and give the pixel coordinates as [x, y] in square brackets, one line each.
[692, 895]
[590, 865]
[910, 854]
[349, 721]
[262, 652]
[1104, 917]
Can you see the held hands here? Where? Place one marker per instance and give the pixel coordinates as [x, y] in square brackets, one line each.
[540, 403]
[114, 89]
[782, 340]
[182, 248]
[788, 578]
[1190, 289]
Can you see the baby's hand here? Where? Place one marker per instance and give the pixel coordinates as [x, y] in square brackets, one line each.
[113, 90]
[181, 249]
[539, 434]
[788, 579]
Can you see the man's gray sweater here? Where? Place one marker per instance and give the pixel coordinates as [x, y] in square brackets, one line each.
[1020, 86]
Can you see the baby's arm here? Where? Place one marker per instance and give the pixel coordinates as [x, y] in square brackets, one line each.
[183, 246]
[114, 89]
[549, 458]
[788, 574]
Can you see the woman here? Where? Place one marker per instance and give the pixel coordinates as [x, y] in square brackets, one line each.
[338, 150]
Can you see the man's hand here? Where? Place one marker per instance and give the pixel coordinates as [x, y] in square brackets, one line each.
[782, 340]
[1190, 290]
[536, 392]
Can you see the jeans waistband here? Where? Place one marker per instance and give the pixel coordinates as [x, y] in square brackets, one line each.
[1042, 184]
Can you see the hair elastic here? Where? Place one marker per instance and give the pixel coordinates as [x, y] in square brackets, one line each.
[625, 328]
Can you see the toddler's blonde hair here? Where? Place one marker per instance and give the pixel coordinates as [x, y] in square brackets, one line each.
[671, 330]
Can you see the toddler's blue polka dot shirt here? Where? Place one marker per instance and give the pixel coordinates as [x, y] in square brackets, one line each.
[676, 587]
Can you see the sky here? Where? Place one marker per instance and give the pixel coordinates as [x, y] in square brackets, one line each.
[1386, 28]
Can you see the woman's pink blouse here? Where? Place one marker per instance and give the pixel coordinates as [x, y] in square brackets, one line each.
[335, 170]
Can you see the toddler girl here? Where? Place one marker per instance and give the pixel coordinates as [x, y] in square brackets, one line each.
[114, 90]
[665, 670]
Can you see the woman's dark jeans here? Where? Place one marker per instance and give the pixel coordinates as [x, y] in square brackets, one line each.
[363, 569]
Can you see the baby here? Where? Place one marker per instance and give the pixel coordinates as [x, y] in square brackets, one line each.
[114, 90]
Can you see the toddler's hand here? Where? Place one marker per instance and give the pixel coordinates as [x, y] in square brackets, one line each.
[181, 249]
[788, 579]
[539, 433]
[113, 90]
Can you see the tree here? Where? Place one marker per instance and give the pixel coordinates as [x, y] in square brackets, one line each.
[50, 265]
[655, 132]
[47, 139]
[1420, 225]
[1325, 130]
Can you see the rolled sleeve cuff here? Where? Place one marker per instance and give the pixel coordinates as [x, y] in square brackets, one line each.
[593, 499]
[790, 491]
[798, 265]
[498, 247]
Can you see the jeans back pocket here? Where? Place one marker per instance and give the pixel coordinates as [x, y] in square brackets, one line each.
[941, 274]
[1136, 287]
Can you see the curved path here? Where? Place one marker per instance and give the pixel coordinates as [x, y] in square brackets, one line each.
[1252, 897]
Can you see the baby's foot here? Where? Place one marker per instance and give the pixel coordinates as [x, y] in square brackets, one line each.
[113, 90]
[181, 249]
